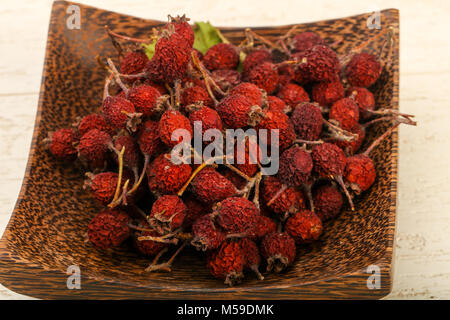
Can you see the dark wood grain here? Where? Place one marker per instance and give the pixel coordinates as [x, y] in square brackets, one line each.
[46, 231]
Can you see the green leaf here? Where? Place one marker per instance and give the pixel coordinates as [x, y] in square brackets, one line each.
[149, 49]
[205, 36]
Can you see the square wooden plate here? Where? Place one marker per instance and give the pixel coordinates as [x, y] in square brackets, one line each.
[47, 229]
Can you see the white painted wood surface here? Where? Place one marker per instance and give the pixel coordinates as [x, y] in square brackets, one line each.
[422, 255]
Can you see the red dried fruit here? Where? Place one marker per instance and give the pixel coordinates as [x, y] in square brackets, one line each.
[307, 120]
[265, 76]
[250, 91]
[167, 214]
[171, 58]
[195, 210]
[166, 177]
[61, 144]
[133, 62]
[326, 93]
[278, 249]
[94, 121]
[210, 186]
[226, 79]
[252, 258]
[227, 263]
[109, 229]
[145, 99]
[292, 94]
[295, 166]
[208, 117]
[305, 40]
[247, 159]
[103, 186]
[170, 122]
[282, 123]
[285, 75]
[206, 236]
[351, 147]
[194, 95]
[254, 58]
[289, 200]
[148, 138]
[364, 99]
[237, 111]
[120, 112]
[131, 155]
[264, 226]
[346, 112]
[304, 226]
[157, 85]
[360, 172]
[329, 161]
[221, 56]
[93, 147]
[182, 27]
[276, 104]
[363, 70]
[148, 247]
[322, 64]
[235, 179]
[236, 215]
[327, 202]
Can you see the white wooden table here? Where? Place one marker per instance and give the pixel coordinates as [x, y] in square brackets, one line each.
[422, 255]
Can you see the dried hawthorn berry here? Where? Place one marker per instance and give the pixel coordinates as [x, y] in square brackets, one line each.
[227, 263]
[346, 112]
[172, 121]
[208, 117]
[194, 95]
[103, 186]
[275, 120]
[145, 99]
[93, 147]
[305, 40]
[133, 62]
[182, 27]
[282, 201]
[148, 247]
[226, 79]
[360, 172]
[167, 213]
[351, 147]
[148, 138]
[322, 64]
[108, 229]
[278, 249]
[131, 155]
[364, 99]
[252, 258]
[265, 76]
[61, 144]
[236, 215]
[307, 120]
[94, 121]
[304, 226]
[120, 112]
[247, 157]
[195, 210]
[276, 104]
[221, 56]
[206, 236]
[209, 186]
[264, 225]
[249, 90]
[327, 202]
[326, 93]
[292, 94]
[237, 111]
[166, 177]
[363, 70]
[255, 58]
[295, 166]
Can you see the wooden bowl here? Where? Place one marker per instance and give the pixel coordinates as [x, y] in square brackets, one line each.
[46, 233]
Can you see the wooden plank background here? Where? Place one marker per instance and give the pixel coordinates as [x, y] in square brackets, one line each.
[422, 252]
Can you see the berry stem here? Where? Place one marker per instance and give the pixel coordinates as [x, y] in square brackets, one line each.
[117, 77]
[253, 34]
[237, 171]
[256, 271]
[114, 202]
[279, 192]
[340, 181]
[308, 141]
[257, 184]
[380, 139]
[166, 266]
[141, 177]
[338, 133]
[126, 38]
[196, 171]
[106, 87]
[124, 192]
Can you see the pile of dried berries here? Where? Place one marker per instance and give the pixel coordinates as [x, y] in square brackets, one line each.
[319, 101]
